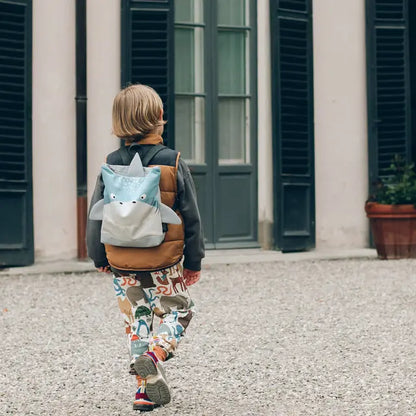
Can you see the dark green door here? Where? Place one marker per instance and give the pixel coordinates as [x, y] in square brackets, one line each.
[293, 135]
[391, 81]
[202, 63]
[16, 206]
[215, 114]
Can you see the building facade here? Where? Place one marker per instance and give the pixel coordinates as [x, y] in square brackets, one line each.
[284, 113]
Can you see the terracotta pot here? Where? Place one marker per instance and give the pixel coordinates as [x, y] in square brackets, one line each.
[394, 230]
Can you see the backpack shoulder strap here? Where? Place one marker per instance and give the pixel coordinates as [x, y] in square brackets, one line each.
[125, 155]
[151, 153]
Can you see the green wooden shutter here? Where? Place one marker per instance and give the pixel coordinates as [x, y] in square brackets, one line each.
[388, 76]
[16, 206]
[293, 137]
[147, 52]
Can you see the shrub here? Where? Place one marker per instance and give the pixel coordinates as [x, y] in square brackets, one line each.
[399, 187]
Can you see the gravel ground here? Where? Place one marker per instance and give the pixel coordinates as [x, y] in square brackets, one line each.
[301, 338]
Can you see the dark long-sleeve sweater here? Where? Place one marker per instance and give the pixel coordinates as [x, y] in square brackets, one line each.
[194, 250]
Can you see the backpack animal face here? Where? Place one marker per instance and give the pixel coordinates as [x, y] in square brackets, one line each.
[131, 210]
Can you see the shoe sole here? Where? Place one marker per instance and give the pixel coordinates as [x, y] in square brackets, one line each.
[145, 407]
[157, 388]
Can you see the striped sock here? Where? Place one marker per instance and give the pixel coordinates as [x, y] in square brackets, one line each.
[160, 353]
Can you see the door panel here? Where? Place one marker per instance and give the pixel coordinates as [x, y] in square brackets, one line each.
[13, 219]
[202, 185]
[296, 213]
[235, 208]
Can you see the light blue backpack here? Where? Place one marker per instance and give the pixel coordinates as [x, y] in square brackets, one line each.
[131, 211]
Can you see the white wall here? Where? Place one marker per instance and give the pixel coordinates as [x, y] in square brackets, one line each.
[265, 164]
[54, 144]
[340, 123]
[103, 81]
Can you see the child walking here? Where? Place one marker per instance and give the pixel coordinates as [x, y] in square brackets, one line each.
[151, 281]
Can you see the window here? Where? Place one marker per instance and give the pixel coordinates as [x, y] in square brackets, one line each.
[189, 80]
[233, 82]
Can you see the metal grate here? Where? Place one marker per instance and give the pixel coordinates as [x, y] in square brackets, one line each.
[293, 5]
[295, 96]
[392, 99]
[149, 51]
[390, 9]
[12, 87]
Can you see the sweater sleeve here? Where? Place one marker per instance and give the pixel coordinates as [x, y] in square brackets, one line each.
[194, 250]
[96, 250]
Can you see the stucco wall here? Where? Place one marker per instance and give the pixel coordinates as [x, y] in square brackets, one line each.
[265, 164]
[103, 81]
[340, 123]
[53, 114]
[340, 119]
[54, 118]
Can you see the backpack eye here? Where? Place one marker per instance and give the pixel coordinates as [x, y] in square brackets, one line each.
[112, 196]
[143, 197]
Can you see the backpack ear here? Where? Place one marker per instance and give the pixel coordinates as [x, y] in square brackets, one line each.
[136, 167]
[168, 215]
[97, 211]
[106, 172]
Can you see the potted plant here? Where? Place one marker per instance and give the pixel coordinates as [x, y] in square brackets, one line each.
[392, 213]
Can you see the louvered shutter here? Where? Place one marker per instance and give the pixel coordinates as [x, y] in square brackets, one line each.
[16, 212]
[388, 83]
[147, 51]
[293, 140]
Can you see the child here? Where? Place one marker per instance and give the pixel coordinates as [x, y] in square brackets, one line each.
[151, 281]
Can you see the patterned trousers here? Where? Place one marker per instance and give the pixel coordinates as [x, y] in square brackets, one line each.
[142, 296]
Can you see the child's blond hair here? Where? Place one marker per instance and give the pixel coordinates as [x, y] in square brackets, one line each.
[137, 111]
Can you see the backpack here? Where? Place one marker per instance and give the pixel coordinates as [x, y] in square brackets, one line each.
[131, 211]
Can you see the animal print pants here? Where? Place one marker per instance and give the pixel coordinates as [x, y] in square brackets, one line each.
[144, 295]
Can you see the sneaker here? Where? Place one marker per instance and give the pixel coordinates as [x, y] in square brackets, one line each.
[149, 367]
[132, 371]
[142, 401]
